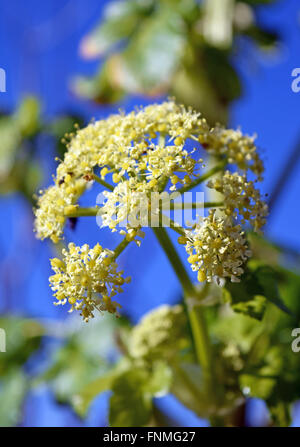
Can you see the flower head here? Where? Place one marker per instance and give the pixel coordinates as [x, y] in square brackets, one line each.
[88, 279]
[239, 149]
[241, 198]
[50, 213]
[149, 146]
[217, 249]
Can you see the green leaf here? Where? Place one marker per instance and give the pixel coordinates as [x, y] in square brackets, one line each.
[100, 88]
[27, 117]
[257, 286]
[80, 360]
[13, 388]
[133, 391]
[259, 2]
[280, 414]
[23, 337]
[217, 22]
[82, 401]
[153, 55]
[10, 141]
[159, 380]
[129, 405]
[265, 39]
[121, 18]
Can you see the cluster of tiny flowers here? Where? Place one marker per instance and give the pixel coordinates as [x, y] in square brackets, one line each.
[238, 148]
[87, 278]
[147, 145]
[159, 334]
[241, 198]
[127, 207]
[53, 205]
[217, 249]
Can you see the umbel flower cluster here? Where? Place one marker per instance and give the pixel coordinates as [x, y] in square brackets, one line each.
[87, 278]
[150, 150]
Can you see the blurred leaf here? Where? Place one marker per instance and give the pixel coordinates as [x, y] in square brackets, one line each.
[261, 382]
[263, 249]
[81, 360]
[217, 22]
[280, 414]
[32, 177]
[133, 391]
[27, 117]
[192, 396]
[61, 126]
[259, 2]
[99, 88]
[120, 20]
[23, 337]
[191, 87]
[16, 130]
[10, 140]
[249, 296]
[13, 388]
[129, 406]
[150, 59]
[225, 79]
[160, 380]
[83, 400]
[265, 39]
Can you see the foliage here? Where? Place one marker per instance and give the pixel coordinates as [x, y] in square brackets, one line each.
[156, 47]
[21, 132]
[23, 338]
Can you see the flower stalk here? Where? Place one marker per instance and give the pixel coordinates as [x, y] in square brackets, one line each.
[195, 314]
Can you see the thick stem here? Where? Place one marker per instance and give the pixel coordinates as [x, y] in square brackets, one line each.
[196, 318]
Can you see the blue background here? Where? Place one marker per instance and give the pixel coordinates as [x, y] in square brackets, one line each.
[39, 50]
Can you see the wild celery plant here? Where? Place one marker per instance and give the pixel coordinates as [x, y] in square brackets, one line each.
[157, 150]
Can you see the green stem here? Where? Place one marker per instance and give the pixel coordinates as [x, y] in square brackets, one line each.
[121, 247]
[196, 318]
[219, 167]
[103, 182]
[81, 212]
[193, 205]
